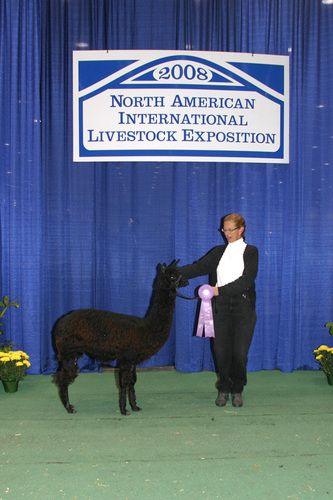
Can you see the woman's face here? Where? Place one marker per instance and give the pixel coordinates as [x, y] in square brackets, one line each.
[231, 231]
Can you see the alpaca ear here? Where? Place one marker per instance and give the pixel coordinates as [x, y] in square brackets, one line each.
[162, 267]
[174, 263]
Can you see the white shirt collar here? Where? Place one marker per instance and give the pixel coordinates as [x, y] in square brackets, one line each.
[237, 245]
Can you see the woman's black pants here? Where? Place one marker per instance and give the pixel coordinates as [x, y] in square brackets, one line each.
[234, 323]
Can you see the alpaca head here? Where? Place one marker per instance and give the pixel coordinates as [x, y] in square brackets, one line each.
[170, 277]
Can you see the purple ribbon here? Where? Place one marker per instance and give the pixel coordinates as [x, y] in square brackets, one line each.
[205, 321]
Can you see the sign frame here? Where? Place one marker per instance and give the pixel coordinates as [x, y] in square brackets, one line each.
[183, 106]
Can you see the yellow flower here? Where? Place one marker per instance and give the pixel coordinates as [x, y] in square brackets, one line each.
[13, 365]
[23, 354]
[323, 348]
[319, 357]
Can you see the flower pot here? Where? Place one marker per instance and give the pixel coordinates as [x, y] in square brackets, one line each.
[329, 379]
[10, 385]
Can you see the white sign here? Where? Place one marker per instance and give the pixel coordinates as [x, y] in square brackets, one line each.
[180, 106]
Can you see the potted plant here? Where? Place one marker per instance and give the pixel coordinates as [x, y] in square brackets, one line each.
[5, 304]
[324, 356]
[13, 366]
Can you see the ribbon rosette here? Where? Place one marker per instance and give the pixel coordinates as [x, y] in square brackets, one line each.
[205, 321]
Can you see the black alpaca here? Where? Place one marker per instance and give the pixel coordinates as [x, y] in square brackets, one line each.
[106, 336]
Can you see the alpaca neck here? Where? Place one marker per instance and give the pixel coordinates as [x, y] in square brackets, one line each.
[160, 313]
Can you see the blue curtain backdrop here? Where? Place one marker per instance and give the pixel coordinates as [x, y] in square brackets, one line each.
[91, 235]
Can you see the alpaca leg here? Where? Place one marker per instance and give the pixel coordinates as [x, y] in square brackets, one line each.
[124, 377]
[66, 375]
[131, 390]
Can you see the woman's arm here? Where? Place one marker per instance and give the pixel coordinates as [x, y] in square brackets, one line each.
[205, 265]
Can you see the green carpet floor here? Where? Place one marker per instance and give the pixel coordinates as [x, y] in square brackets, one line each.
[278, 446]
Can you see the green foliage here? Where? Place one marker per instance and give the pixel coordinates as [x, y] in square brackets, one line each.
[5, 304]
[330, 326]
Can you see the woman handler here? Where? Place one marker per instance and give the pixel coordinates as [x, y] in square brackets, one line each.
[233, 269]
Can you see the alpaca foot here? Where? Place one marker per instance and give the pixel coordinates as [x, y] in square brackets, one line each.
[136, 408]
[70, 408]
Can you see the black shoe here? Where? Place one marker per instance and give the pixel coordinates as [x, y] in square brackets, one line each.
[237, 399]
[222, 399]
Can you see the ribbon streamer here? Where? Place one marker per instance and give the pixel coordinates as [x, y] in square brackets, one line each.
[205, 321]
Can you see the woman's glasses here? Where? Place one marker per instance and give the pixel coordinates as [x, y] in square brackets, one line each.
[228, 230]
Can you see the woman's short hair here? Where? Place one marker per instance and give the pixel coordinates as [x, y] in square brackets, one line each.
[237, 219]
